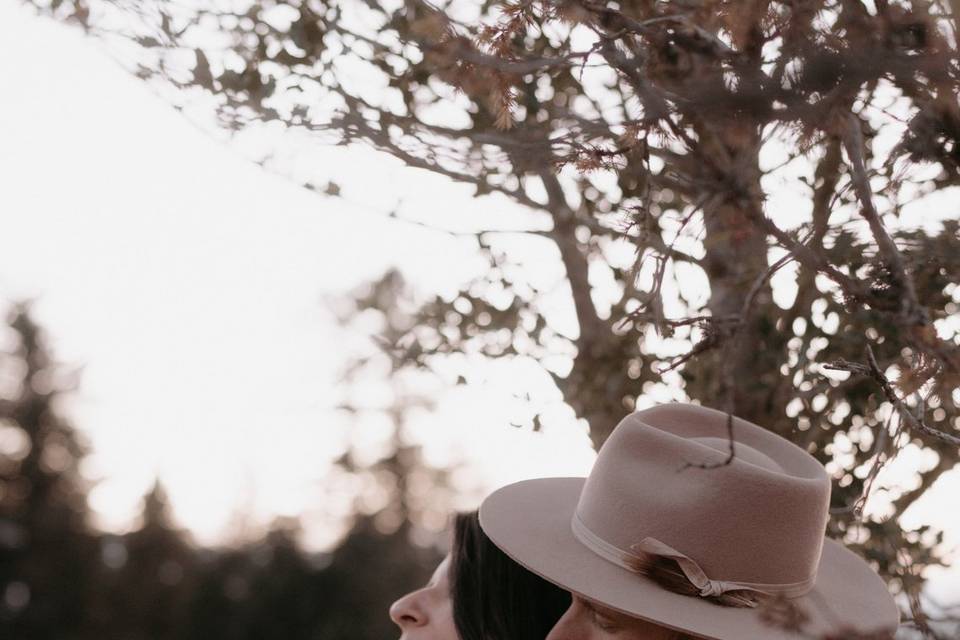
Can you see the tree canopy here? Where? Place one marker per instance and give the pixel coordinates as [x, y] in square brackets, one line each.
[785, 174]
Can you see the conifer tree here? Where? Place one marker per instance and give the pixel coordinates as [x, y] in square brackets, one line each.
[46, 548]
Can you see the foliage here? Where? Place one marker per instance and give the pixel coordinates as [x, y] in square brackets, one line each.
[43, 583]
[679, 129]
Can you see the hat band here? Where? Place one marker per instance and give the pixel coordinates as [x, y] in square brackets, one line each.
[693, 572]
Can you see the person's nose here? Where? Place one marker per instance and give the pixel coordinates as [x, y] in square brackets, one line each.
[407, 611]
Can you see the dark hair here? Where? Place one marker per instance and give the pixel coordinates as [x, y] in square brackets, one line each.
[494, 598]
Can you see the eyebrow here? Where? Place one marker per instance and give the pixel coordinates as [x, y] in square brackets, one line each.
[604, 611]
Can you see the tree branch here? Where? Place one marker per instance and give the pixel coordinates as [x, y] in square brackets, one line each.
[574, 261]
[873, 370]
[853, 143]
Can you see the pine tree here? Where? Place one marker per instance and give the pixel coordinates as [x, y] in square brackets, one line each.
[46, 548]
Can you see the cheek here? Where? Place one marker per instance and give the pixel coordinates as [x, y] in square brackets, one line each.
[446, 628]
[439, 609]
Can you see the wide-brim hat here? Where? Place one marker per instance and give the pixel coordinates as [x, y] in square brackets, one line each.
[664, 485]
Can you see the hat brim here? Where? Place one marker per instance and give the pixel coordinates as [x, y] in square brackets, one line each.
[530, 522]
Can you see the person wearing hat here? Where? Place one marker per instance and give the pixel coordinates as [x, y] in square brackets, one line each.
[672, 537]
[478, 593]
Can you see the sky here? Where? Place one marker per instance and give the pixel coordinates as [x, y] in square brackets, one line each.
[189, 283]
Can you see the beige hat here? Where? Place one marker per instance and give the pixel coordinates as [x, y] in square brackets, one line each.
[659, 489]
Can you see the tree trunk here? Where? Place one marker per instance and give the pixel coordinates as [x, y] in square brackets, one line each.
[736, 257]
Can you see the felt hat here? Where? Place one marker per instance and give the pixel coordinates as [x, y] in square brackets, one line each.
[666, 504]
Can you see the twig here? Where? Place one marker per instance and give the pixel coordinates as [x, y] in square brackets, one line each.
[880, 460]
[873, 370]
[807, 255]
[716, 465]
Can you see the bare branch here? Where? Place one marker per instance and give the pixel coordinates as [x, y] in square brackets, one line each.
[722, 463]
[873, 370]
[853, 143]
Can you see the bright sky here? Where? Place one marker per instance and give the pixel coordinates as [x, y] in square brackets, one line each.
[188, 281]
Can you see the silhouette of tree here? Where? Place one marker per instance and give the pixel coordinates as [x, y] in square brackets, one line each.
[219, 600]
[144, 579]
[45, 545]
[393, 549]
[283, 599]
[59, 579]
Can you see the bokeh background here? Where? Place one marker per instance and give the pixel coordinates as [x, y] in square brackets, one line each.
[233, 456]
[209, 440]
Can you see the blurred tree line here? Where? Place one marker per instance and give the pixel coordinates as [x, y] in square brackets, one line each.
[62, 579]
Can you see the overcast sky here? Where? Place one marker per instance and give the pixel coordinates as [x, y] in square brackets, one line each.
[189, 281]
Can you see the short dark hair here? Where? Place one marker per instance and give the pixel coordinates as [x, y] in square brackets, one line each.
[494, 598]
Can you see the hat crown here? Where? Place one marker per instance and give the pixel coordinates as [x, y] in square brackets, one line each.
[758, 518]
